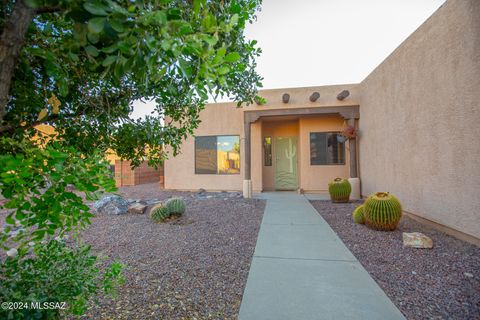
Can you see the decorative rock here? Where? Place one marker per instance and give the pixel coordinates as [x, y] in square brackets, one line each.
[111, 205]
[417, 240]
[137, 208]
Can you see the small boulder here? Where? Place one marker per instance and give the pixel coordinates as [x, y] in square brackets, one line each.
[111, 205]
[137, 208]
[417, 240]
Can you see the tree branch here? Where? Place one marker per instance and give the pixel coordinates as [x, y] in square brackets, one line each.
[47, 10]
[11, 42]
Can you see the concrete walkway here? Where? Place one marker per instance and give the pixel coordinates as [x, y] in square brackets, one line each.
[302, 270]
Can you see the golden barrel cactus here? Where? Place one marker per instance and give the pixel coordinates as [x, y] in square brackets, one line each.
[339, 190]
[358, 216]
[382, 211]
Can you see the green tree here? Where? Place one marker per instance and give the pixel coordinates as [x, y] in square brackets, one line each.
[78, 65]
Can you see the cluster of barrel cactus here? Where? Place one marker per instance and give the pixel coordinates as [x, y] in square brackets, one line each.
[381, 211]
[172, 207]
[339, 190]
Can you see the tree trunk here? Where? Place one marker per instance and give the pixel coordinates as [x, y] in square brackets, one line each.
[11, 41]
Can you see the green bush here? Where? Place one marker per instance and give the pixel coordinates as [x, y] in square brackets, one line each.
[54, 273]
[159, 213]
[358, 216]
[339, 190]
[176, 206]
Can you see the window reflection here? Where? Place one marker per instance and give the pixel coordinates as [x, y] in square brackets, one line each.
[217, 155]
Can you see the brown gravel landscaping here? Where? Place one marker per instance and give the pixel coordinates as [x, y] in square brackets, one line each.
[438, 283]
[195, 267]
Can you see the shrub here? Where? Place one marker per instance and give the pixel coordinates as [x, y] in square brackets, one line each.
[358, 216]
[159, 213]
[339, 190]
[176, 206]
[382, 211]
[54, 273]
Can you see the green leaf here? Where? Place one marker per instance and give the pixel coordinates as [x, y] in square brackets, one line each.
[234, 20]
[96, 25]
[117, 25]
[110, 49]
[211, 40]
[91, 50]
[219, 56]
[95, 8]
[232, 57]
[223, 70]
[109, 60]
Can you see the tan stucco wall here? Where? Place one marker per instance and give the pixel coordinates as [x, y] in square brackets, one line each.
[420, 116]
[316, 177]
[220, 119]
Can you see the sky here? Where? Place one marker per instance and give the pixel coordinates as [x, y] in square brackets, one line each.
[324, 42]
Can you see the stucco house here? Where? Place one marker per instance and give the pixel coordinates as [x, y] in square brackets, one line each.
[417, 116]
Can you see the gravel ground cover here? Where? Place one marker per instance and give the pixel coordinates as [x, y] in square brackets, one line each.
[438, 283]
[195, 267]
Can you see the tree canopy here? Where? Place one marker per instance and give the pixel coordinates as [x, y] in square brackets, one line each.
[78, 65]
[81, 64]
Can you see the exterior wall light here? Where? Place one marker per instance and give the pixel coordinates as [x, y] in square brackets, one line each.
[285, 98]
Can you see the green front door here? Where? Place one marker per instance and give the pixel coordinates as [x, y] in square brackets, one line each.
[286, 163]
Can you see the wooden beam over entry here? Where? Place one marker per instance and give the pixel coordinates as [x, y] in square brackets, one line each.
[346, 112]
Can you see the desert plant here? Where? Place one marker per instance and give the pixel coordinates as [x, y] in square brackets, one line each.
[339, 190]
[358, 216]
[382, 211]
[159, 213]
[66, 275]
[176, 206]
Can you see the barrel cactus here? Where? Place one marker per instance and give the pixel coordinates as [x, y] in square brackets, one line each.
[358, 216]
[175, 206]
[159, 213]
[382, 211]
[339, 190]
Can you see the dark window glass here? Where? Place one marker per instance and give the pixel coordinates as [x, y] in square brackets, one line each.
[267, 151]
[327, 148]
[206, 155]
[217, 155]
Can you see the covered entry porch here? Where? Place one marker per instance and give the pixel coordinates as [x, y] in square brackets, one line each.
[297, 149]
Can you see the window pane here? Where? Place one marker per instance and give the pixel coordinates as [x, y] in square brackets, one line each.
[267, 151]
[336, 149]
[228, 154]
[206, 155]
[326, 148]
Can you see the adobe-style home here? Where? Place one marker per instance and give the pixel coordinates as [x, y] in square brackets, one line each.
[417, 116]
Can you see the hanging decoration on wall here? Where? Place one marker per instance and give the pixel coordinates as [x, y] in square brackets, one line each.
[349, 132]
